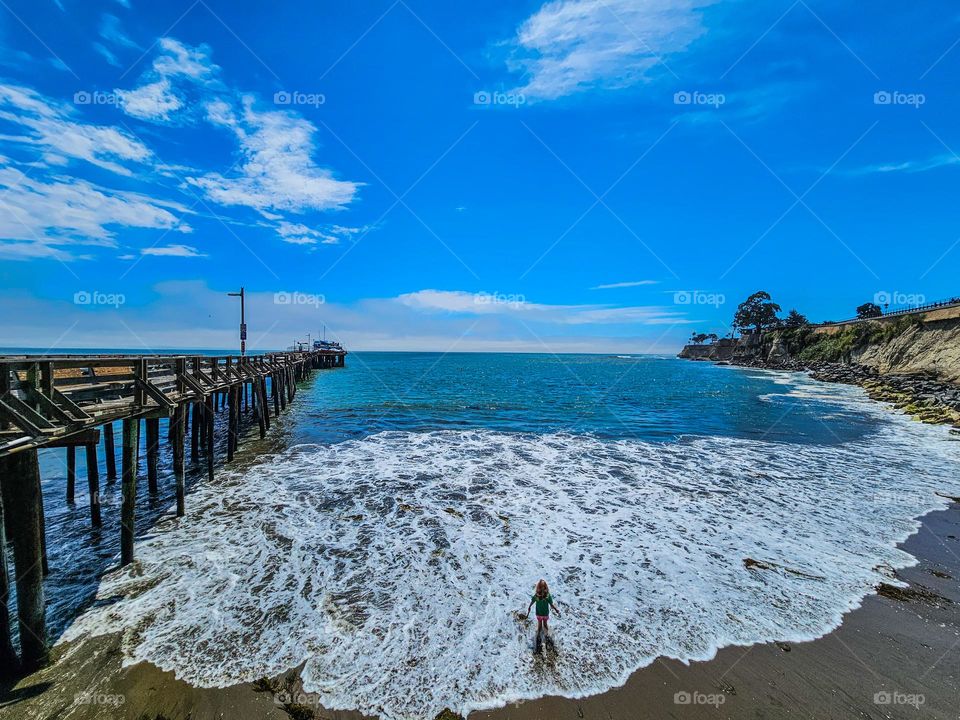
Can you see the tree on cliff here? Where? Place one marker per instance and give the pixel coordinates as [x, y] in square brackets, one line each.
[756, 312]
[869, 310]
[795, 319]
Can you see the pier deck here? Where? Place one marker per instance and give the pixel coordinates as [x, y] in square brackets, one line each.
[70, 401]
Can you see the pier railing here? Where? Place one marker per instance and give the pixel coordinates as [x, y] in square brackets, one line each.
[69, 401]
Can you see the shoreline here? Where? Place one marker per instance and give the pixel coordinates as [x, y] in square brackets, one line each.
[923, 397]
[895, 646]
[895, 654]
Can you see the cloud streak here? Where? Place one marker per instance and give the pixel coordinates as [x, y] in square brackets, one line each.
[516, 306]
[51, 129]
[908, 166]
[570, 46]
[627, 284]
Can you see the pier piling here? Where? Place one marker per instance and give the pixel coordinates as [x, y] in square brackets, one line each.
[9, 662]
[93, 483]
[208, 426]
[232, 410]
[110, 452]
[71, 472]
[152, 426]
[131, 453]
[23, 510]
[177, 423]
[195, 433]
[265, 405]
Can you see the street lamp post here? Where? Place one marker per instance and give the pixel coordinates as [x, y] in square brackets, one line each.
[243, 322]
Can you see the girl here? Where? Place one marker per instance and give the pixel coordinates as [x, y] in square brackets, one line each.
[544, 601]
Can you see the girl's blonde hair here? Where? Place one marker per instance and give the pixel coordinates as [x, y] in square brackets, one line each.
[542, 590]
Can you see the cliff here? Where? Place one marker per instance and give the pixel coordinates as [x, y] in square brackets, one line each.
[722, 349]
[910, 344]
[931, 348]
[911, 361]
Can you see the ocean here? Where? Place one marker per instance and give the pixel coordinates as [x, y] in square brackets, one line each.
[393, 523]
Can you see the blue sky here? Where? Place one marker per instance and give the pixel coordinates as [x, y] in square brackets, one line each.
[565, 176]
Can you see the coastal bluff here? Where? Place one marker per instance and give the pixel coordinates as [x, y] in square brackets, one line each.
[911, 360]
[925, 343]
[722, 350]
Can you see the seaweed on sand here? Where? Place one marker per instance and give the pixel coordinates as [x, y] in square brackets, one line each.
[911, 593]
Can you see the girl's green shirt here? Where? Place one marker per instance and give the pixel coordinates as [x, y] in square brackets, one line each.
[543, 604]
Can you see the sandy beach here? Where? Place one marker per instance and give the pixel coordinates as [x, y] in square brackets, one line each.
[897, 656]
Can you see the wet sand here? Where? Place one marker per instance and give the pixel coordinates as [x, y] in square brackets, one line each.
[897, 656]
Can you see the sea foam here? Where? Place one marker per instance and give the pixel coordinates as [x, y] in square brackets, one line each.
[393, 567]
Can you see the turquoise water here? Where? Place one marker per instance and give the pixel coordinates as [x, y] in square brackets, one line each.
[389, 529]
[639, 397]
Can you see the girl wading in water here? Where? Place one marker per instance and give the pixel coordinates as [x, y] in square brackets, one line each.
[544, 601]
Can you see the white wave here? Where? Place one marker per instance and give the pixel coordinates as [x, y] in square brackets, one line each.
[393, 567]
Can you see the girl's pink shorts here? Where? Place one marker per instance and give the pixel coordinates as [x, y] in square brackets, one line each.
[543, 618]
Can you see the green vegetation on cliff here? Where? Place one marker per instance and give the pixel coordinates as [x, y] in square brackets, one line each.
[807, 346]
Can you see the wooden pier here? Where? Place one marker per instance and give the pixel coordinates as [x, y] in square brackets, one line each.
[69, 401]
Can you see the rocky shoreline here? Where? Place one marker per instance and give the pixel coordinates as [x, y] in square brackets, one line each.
[921, 395]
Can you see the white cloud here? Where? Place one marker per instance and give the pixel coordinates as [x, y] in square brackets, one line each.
[53, 214]
[51, 128]
[300, 234]
[153, 101]
[177, 71]
[106, 53]
[179, 60]
[276, 170]
[43, 218]
[909, 166]
[173, 251]
[568, 46]
[627, 284]
[110, 30]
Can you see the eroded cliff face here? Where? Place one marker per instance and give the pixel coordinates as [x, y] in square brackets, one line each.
[933, 347]
[919, 345]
